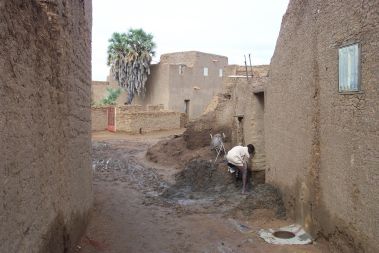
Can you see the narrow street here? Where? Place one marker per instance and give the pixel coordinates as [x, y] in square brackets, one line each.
[135, 212]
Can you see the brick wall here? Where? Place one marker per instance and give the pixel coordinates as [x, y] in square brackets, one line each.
[135, 119]
[45, 86]
[146, 121]
[159, 107]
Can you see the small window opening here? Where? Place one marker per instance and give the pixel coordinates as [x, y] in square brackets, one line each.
[181, 69]
[205, 71]
[348, 68]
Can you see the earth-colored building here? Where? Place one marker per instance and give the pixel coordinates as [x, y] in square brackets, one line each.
[322, 120]
[184, 82]
[99, 91]
[45, 124]
[237, 111]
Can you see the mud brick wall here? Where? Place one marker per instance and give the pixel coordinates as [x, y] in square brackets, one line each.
[217, 118]
[157, 87]
[99, 91]
[129, 108]
[221, 116]
[99, 118]
[45, 87]
[322, 146]
[179, 77]
[159, 107]
[143, 122]
[248, 118]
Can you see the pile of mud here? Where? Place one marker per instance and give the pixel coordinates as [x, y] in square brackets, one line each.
[201, 176]
[201, 187]
[175, 153]
[215, 188]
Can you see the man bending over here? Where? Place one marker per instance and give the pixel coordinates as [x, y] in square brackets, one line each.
[239, 156]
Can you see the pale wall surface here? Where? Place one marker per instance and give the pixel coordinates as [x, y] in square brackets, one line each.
[99, 91]
[192, 84]
[157, 87]
[221, 115]
[322, 147]
[250, 105]
[45, 85]
[167, 86]
[99, 118]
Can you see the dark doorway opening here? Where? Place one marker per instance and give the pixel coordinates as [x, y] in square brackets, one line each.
[187, 106]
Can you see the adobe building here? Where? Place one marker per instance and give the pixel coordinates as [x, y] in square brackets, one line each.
[322, 120]
[184, 82]
[45, 124]
[237, 111]
[99, 91]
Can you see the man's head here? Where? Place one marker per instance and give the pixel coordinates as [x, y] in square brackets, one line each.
[251, 149]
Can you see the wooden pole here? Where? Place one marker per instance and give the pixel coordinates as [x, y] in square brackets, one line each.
[251, 67]
[247, 75]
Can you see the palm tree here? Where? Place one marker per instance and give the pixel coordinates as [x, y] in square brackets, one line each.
[129, 56]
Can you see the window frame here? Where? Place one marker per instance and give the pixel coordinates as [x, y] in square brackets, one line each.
[205, 71]
[220, 72]
[359, 85]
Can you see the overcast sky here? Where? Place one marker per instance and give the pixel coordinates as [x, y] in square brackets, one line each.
[224, 27]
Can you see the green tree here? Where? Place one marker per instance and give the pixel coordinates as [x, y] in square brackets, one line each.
[111, 97]
[129, 56]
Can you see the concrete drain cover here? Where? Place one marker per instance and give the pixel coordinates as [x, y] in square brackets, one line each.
[292, 234]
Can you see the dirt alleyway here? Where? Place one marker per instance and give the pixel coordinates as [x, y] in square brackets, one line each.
[131, 216]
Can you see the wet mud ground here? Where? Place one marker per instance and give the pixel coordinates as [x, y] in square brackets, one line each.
[141, 206]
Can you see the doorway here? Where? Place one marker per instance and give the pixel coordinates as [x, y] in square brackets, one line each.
[187, 106]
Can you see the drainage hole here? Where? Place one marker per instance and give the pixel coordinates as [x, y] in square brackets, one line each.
[283, 234]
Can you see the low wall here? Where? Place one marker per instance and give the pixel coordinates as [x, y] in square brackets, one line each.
[159, 107]
[129, 108]
[145, 121]
[99, 118]
[135, 119]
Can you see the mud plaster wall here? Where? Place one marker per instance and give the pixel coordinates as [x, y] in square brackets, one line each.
[157, 87]
[322, 146]
[217, 118]
[166, 85]
[248, 118]
[99, 91]
[99, 118]
[147, 121]
[237, 99]
[45, 83]
[193, 85]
